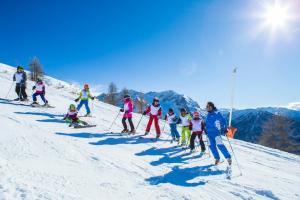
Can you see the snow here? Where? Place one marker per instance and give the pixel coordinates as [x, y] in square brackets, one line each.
[294, 106]
[42, 158]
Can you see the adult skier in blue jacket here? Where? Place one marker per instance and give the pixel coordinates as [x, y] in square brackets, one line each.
[215, 125]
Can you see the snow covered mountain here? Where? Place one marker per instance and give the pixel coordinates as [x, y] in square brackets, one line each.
[42, 158]
[253, 126]
[168, 99]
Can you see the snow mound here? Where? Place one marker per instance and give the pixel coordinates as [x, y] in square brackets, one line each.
[42, 158]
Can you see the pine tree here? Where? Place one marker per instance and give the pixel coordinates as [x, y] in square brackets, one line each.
[275, 134]
[36, 69]
[111, 96]
[124, 92]
[141, 103]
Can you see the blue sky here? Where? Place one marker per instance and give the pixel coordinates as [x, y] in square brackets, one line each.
[187, 46]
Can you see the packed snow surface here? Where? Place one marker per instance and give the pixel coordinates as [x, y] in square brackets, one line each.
[42, 158]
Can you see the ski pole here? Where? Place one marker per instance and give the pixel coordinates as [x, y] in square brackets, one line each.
[139, 122]
[163, 130]
[9, 90]
[207, 146]
[234, 155]
[114, 121]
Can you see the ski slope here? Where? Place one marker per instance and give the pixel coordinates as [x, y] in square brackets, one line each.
[42, 158]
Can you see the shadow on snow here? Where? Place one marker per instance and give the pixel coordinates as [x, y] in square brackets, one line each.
[40, 114]
[167, 157]
[183, 177]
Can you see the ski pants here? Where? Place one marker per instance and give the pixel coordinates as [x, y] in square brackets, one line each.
[86, 104]
[76, 120]
[185, 134]
[130, 123]
[41, 95]
[192, 141]
[155, 119]
[21, 91]
[174, 132]
[215, 143]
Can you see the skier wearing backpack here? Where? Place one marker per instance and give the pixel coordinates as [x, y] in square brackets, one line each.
[39, 91]
[172, 119]
[84, 97]
[20, 78]
[127, 109]
[72, 118]
[197, 127]
[155, 113]
[184, 120]
[215, 125]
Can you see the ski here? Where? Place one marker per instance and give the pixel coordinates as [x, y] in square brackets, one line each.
[41, 106]
[90, 116]
[228, 172]
[84, 126]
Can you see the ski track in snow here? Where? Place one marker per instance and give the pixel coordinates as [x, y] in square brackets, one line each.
[42, 158]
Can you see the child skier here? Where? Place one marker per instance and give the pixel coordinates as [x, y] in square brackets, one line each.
[197, 127]
[20, 78]
[84, 97]
[128, 109]
[39, 91]
[72, 118]
[184, 120]
[172, 120]
[155, 113]
[215, 125]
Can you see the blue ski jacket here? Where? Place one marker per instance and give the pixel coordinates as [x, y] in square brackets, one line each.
[210, 123]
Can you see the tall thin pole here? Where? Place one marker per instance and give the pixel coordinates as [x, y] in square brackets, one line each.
[232, 95]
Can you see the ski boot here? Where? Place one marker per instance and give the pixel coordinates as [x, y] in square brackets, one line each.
[132, 132]
[217, 162]
[88, 115]
[84, 123]
[146, 133]
[229, 161]
[34, 103]
[192, 151]
[124, 131]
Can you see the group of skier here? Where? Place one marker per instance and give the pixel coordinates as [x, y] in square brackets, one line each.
[192, 125]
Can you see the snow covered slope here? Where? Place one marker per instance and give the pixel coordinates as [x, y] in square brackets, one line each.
[42, 158]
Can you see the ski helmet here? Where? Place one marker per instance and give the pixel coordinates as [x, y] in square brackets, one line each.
[156, 99]
[86, 86]
[20, 68]
[171, 110]
[72, 107]
[196, 114]
[39, 80]
[183, 110]
[126, 96]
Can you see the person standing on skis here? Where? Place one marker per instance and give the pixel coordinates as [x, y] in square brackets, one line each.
[184, 120]
[128, 109]
[155, 113]
[39, 91]
[84, 97]
[20, 77]
[215, 125]
[72, 118]
[197, 127]
[172, 120]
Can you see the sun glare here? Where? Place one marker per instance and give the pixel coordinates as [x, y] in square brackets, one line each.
[276, 16]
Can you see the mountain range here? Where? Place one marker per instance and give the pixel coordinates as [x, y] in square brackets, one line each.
[252, 124]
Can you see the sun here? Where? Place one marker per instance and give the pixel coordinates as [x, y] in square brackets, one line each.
[278, 19]
[276, 16]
